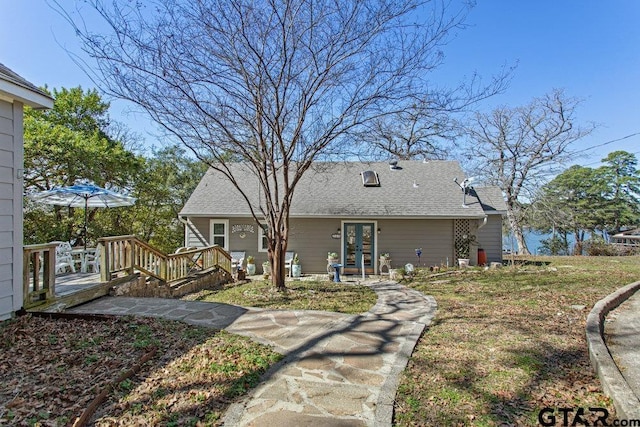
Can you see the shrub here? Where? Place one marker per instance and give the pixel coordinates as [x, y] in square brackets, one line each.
[554, 246]
[598, 247]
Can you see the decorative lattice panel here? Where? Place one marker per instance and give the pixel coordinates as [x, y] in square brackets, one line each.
[461, 227]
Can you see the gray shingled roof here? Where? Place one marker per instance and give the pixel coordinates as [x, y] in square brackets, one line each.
[491, 199]
[417, 189]
[12, 77]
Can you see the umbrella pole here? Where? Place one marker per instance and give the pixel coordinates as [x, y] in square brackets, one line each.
[86, 206]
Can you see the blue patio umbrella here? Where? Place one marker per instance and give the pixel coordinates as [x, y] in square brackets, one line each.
[84, 195]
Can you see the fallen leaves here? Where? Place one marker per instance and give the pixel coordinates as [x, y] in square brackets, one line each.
[52, 369]
[506, 344]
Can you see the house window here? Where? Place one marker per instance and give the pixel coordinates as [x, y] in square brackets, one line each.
[219, 234]
[263, 245]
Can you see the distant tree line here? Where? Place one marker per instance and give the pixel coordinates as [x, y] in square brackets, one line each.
[593, 202]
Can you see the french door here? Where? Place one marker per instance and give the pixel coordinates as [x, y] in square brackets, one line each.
[358, 248]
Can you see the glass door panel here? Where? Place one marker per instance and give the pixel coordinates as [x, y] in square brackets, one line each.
[358, 247]
[366, 246]
[350, 246]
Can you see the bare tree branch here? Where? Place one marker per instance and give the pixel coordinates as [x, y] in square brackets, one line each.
[518, 148]
[276, 84]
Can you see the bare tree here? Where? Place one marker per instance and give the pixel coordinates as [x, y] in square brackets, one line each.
[427, 127]
[518, 148]
[278, 83]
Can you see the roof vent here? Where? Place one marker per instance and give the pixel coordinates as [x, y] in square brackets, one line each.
[370, 179]
[393, 164]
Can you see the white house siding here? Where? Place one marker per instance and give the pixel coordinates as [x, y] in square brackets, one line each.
[10, 209]
[490, 238]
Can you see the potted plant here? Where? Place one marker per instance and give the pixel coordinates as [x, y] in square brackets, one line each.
[385, 261]
[251, 267]
[266, 269]
[296, 269]
[463, 248]
[332, 257]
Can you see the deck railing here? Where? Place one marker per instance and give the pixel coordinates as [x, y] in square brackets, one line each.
[120, 254]
[128, 254]
[39, 274]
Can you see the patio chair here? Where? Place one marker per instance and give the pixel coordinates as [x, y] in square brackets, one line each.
[288, 260]
[237, 260]
[64, 258]
[184, 249]
[92, 261]
[196, 261]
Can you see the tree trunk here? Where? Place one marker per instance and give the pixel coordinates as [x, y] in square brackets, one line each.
[522, 244]
[579, 246]
[516, 229]
[278, 271]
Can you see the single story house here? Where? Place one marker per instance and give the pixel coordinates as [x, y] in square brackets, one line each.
[15, 93]
[359, 211]
[627, 238]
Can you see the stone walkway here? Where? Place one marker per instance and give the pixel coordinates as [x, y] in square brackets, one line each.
[338, 369]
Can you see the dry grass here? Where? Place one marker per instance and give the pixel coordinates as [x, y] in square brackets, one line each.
[504, 345]
[507, 343]
[302, 295]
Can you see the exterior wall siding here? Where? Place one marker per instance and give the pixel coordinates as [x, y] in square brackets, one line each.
[401, 238]
[490, 238]
[193, 238]
[11, 208]
[311, 239]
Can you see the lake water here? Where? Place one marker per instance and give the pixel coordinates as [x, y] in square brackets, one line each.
[533, 239]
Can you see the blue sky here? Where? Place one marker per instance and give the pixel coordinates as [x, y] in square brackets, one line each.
[590, 48]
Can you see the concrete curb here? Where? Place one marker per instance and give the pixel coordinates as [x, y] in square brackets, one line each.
[615, 386]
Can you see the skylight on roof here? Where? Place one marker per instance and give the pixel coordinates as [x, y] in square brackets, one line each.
[370, 179]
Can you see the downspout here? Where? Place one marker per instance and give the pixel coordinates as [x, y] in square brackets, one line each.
[484, 222]
[480, 225]
[186, 224]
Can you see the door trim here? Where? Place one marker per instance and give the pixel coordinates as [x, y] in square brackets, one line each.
[374, 249]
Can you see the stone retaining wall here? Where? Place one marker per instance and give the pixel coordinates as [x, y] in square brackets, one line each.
[144, 287]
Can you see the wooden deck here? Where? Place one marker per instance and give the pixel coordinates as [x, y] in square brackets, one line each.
[73, 289]
[70, 283]
[123, 258]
